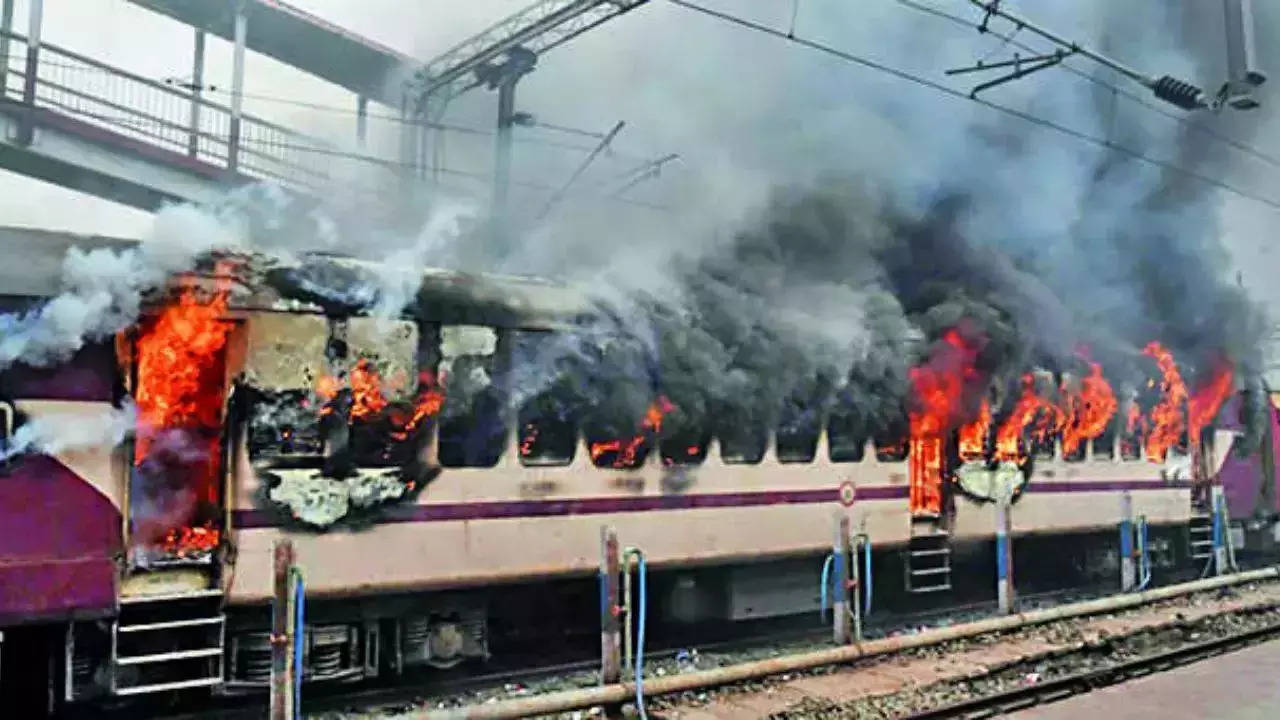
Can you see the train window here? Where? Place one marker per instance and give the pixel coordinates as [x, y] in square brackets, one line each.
[1077, 453]
[474, 434]
[546, 437]
[742, 444]
[798, 431]
[1043, 447]
[473, 421]
[1131, 446]
[1105, 444]
[891, 446]
[545, 429]
[617, 449]
[685, 446]
[846, 436]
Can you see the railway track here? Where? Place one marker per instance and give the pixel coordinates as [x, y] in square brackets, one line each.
[530, 684]
[452, 684]
[1061, 688]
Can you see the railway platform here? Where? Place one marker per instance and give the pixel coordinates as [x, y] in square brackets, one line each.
[1243, 685]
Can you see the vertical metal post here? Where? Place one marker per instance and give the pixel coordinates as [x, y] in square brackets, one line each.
[237, 86]
[1128, 571]
[35, 17]
[610, 641]
[840, 627]
[1004, 557]
[502, 160]
[281, 707]
[362, 120]
[197, 87]
[6, 26]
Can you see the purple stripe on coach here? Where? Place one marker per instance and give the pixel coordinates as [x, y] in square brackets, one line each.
[1042, 486]
[647, 503]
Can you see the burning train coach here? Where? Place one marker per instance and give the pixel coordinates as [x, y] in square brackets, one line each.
[441, 508]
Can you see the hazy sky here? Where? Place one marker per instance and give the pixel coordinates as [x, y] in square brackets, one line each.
[743, 110]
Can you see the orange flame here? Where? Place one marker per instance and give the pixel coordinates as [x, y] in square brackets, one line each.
[188, 541]
[530, 437]
[368, 400]
[937, 391]
[625, 451]
[1032, 418]
[174, 355]
[180, 386]
[1208, 399]
[973, 435]
[1167, 418]
[1088, 411]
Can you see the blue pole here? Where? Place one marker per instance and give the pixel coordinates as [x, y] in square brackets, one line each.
[826, 583]
[640, 623]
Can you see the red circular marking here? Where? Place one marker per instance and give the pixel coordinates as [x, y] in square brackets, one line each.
[847, 493]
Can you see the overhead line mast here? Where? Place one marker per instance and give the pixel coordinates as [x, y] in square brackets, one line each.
[497, 57]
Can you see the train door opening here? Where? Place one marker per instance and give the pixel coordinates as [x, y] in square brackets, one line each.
[176, 363]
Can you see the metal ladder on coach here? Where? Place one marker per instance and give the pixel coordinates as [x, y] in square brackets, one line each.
[161, 643]
[1200, 536]
[928, 560]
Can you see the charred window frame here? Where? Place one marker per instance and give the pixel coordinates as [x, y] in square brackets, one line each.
[1042, 447]
[685, 445]
[473, 422]
[1131, 442]
[796, 437]
[847, 435]
[1104, 446]
[620, 396]
[891, 441]
[547, 430]
[742, 443]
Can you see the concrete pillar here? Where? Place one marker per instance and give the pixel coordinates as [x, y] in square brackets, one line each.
[281, 702]
[610, 627]
[6, 26]
[197, 87]
[1128, 570]
[237, 86]
[26, 132]
[1004, 557]
[840, 626]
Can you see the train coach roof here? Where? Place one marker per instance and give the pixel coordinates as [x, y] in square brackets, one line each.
[33, 268]
[31, 260]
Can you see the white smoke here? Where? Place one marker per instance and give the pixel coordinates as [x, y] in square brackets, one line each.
[399, 274]
[101, 427]
[102, 289]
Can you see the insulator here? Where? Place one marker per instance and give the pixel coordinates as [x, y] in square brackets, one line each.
[1175, 91]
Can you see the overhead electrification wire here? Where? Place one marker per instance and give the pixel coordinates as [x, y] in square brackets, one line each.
[1008, 39]
[1013, 112]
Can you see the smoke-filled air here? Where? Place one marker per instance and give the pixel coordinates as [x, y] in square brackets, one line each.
[834, 244]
